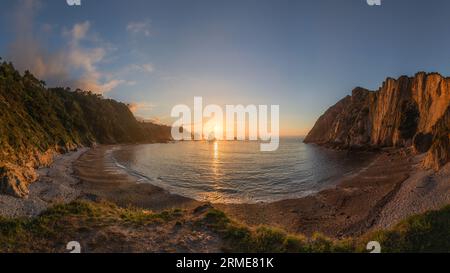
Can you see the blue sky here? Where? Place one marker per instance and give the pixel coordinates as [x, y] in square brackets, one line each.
[302, 55]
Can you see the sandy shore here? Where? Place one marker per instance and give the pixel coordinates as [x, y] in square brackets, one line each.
[101, 179]
[392, 188]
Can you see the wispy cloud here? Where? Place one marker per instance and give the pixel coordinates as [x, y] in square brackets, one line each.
[86, 59]
[60, 67]
[139, 68]
[140, 28]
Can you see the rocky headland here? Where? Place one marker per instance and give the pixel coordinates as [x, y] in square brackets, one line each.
[404, 112]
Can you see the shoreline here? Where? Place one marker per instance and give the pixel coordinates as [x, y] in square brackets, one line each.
[101, 179]
[377, 196]
[391, 189]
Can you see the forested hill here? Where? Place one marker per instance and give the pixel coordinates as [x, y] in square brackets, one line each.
[36, 122]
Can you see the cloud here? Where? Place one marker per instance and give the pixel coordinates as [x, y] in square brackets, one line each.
[153, 120]
[26, 52]
[59, 68]
[141, 68]
[141, 107]
[143, 111]
[148, 68]
[86, 60]
[140, 28]
[80, 31]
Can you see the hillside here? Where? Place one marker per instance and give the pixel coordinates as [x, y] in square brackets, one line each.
[404, 112]
[38, 122]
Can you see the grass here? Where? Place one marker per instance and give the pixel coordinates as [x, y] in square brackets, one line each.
[242, 239]
[59, 224]
[429, 232]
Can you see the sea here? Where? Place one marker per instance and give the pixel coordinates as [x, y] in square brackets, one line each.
[238, 172]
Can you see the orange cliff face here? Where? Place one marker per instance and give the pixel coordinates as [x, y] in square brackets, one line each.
[408, 111]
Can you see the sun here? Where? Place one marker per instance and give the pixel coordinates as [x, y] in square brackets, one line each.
[213, 131]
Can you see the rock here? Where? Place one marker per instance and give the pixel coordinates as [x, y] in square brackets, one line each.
[15, 180]
[203, 208]
[403, 112]
[439, 154]
[91, 197]
[422, 142]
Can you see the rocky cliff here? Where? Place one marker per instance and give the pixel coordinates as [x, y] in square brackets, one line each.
[36, 123]
[403, 112]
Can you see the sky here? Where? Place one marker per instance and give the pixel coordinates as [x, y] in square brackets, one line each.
[301, 55]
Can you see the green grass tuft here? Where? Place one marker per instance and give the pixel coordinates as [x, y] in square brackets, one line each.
[429, 232]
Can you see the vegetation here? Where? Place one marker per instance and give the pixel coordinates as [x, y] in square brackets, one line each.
[242, 239]
[35, 119]
[54, 228]
[429, 232]
[32, 115]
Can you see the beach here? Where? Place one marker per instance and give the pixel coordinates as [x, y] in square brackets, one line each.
[378, 196]
[100, 178]
[390, 189]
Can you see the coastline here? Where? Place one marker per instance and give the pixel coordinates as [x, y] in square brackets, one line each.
[377, 196]
[391, 189]
[359, 203]
[101, 179]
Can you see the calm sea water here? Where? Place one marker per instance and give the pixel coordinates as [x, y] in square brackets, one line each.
[237, 172]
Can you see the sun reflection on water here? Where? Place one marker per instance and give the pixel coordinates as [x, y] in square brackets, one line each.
[215, 168]
[216, 150]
